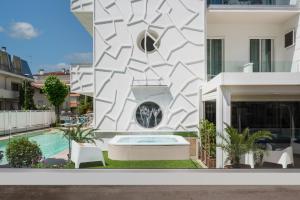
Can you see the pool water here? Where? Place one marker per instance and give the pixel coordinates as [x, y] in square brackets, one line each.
[51, 143]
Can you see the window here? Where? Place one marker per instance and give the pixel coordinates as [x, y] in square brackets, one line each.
[40, 102]
[15, 86]
[210, 111]
[214, 57]
[17, 64]
[147, 41]
[289, 39]
[280, 118]
[261, 54]
[148, 114]
[147, 45]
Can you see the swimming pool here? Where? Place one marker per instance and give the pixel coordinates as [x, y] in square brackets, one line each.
[51, 142]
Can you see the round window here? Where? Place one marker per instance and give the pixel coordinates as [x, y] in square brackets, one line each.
[147, 41]
[147, 44]
[148, 114]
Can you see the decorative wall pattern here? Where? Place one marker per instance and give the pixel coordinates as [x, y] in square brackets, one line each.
[126, 76]
[81, 80]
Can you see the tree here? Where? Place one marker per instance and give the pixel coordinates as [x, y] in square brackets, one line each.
[56, 92]
[26, 96]
[85, 104]
[237, 144]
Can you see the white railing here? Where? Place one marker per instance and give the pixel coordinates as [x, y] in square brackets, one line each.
[18, 121]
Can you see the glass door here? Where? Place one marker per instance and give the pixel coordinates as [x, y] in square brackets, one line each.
[261, 54]
[214, 57]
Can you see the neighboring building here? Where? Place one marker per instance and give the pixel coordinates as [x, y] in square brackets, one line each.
[13, 71]
[40, 100]
[165, 65]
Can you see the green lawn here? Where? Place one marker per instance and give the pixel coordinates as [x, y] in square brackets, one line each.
[147, 164]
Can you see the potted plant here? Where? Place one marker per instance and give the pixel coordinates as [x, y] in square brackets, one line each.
[237, 144]
[208, 143]
[78, 134]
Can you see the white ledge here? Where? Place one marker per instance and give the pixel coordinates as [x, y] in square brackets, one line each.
[149, 177]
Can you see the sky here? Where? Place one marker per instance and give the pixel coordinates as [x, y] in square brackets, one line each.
[44, 32]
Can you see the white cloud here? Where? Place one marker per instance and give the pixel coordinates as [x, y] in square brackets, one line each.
[1, 29]
[62, 65]
[23, 30]
[80, 58]
[54, 67]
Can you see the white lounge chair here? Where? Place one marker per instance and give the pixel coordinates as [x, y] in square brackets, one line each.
[282, 157]
[248, 159]
[86, 152]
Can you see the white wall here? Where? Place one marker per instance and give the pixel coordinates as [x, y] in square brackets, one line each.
[2, 81]
[118, 61]
[81, 79]
[40, 99]
[291, 54]
[237, 45]
[5, 81]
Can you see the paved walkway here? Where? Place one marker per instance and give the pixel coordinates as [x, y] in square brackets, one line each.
[149, 192]
[59, 158]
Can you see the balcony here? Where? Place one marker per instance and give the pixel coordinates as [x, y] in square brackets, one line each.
[8, 94]
[83, 10]
[249, 68]
[73, 104]
[253, 3]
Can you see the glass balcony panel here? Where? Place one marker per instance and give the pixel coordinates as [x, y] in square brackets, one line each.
[247, 66]
[253, 2]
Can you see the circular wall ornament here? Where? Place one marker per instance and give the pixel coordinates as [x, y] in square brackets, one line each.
[148, 114]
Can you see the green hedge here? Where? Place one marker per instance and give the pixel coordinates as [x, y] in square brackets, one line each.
[186, 134]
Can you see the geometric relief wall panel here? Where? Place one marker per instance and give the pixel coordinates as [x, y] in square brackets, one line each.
[148, 51]
[81, 79]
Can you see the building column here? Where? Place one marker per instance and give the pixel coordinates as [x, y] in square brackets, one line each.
[223, 115]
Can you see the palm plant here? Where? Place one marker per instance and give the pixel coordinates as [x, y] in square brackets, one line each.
[78, 134]
[236, 144]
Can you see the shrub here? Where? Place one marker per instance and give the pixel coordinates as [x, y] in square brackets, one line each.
[208, 137]
[23, 153]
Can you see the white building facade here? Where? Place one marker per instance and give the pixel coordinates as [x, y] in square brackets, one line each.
[164, 65]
